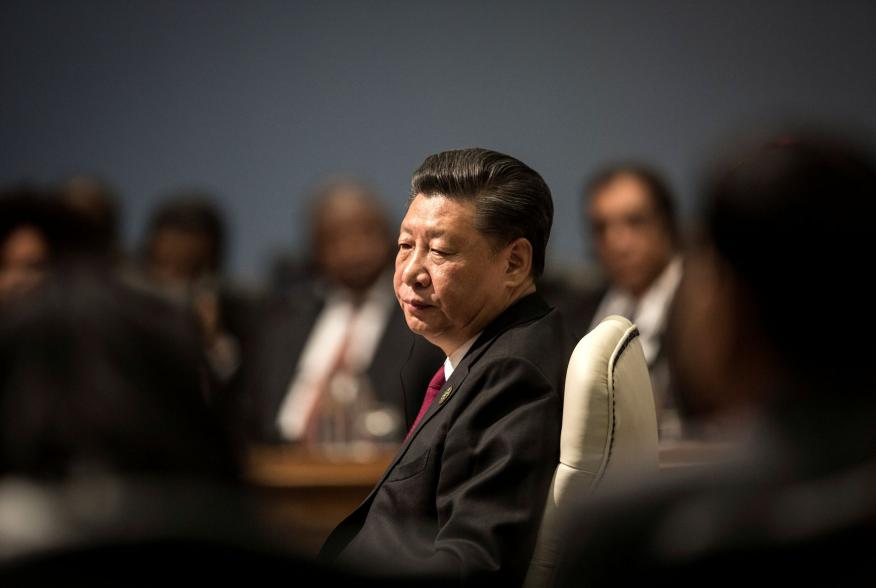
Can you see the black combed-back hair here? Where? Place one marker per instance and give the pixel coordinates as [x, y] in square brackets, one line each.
[511, 199]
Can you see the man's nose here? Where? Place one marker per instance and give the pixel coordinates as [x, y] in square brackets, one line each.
[619, 237]
[414, 272]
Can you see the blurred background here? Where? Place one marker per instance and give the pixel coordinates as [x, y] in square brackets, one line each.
[232, 174]
[257, 102]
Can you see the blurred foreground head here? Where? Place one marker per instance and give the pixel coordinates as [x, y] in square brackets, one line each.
[94, 204]
[94, 378]
[351, 239]
[773, 308]
[185, 240]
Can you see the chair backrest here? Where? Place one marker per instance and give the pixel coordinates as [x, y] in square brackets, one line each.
[609, 429]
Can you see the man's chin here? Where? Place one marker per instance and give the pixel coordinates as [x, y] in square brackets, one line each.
[419, 327]
[416, 326]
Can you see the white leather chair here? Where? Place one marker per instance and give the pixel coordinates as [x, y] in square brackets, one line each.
[609, 429]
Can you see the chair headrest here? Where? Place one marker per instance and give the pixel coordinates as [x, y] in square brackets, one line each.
[609, 420]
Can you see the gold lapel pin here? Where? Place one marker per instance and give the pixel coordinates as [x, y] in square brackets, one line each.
[445, 395]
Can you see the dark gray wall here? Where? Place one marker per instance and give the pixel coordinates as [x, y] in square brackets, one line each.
[259, 100]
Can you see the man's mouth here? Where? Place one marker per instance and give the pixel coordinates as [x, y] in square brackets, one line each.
[417, 304]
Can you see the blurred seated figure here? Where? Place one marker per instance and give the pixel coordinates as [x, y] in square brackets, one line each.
[102, 418]
[631, 213]
[94, 203]
[769, 334]
[31, 228]
[113, 468]
[96, 374]
[182, 259]
[290, 276]
[327, 369]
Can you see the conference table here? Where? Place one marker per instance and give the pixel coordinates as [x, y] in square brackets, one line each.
[303, 495]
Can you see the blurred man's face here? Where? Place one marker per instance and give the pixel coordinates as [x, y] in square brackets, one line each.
[352, 241]
[178, 257]
[632, 241]
[449, 279]
[24, 260]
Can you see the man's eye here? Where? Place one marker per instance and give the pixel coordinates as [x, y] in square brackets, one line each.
[404, 246]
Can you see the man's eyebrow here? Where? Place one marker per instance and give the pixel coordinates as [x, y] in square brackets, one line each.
[429, 233]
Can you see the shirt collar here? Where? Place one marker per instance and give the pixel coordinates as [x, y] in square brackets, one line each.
[652, 307]
[454, 358]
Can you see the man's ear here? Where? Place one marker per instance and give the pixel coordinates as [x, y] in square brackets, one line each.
[518, 259]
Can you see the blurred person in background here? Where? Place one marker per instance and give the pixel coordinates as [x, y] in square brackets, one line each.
[631, 213]
[95, 204]
[334, 354]
[32, 227]
[769, 334]
[182, 258]
[113, 468]
[96, 373]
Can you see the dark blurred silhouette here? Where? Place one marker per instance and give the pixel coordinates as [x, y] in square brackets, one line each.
[94, 204]
[333, 355]
[182, 260]
[33, 238]
[104, 428]
[185, 240]
[94, 374]
[772, 332]
[631, 212]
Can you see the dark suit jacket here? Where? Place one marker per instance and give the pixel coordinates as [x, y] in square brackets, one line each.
[283, 335]
[465, 495]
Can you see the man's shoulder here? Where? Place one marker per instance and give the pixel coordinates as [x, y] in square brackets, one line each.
[536, 339]
[539, 348]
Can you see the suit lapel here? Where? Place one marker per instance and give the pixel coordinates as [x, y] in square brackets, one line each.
[527, 309]
[530, 308]
[453, 384]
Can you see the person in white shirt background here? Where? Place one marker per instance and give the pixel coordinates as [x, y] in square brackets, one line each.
[329, 361]
[630, 210]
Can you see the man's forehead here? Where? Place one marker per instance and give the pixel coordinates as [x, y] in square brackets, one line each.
[621, 203]
[438, 215]
[624, 189]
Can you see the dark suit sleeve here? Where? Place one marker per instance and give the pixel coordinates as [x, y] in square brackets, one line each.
[500, 455]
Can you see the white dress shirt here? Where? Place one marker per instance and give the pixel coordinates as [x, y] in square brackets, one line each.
[453, 360]
[339, 319]
[649, 312]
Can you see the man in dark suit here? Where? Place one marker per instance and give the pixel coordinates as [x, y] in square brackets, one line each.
[343, 327]
[787, 223]
[465, 494]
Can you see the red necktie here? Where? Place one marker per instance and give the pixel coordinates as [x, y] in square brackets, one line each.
[431, 392]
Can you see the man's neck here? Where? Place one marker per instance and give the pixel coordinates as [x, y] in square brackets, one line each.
[512, 298]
